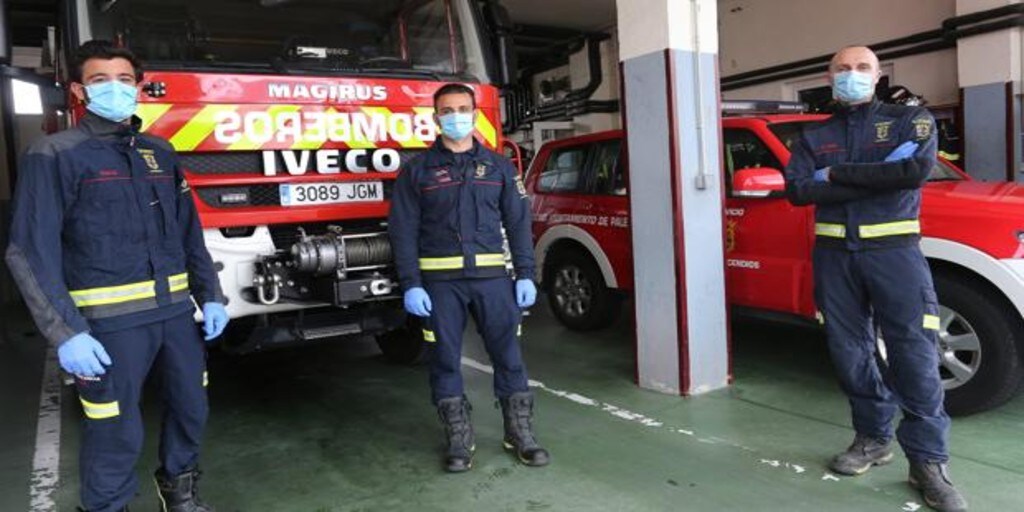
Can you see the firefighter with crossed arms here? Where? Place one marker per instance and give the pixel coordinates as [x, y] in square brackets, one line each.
[863, 170]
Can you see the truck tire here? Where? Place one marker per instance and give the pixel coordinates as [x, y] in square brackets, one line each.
[577, 294]
[979, 358]
[404, 346]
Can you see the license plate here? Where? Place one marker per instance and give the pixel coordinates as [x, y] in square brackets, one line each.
[304, 194]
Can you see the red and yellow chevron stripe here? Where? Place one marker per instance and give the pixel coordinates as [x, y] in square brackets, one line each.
[251, 127]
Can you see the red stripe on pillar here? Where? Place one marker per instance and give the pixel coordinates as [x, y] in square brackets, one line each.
[678, 245]
[725, 271]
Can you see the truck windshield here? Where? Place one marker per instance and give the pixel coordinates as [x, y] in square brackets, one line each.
[437, 38]
[789, 134]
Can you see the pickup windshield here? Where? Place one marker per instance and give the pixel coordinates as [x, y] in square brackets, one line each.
[789, 133]
[436, 38]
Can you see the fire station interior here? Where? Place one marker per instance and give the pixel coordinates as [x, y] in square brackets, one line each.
[674, 352]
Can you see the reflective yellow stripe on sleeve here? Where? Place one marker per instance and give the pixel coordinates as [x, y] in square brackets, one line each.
[429, 336]
[903, 227]
[100, 411]
[830, 230]
[490, 260]
[206, 379]
[178, 282]
[931, 322]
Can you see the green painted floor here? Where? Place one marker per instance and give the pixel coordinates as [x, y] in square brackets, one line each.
[336, 428]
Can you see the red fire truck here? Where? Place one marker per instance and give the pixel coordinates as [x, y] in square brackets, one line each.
[292, 118]
[973, 239]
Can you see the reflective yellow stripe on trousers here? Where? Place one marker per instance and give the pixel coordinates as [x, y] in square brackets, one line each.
[125, 292]
[456, 262]
[903, 227]
[102, 411]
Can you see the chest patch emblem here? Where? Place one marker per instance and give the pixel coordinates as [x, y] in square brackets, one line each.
[883, 131]
[150, 158]
[481, 170]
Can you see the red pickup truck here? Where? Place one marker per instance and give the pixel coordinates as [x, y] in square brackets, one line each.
[973, 237]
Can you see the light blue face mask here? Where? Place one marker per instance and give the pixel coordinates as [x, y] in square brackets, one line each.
[457, 125]
[852, 86]
[111, 100]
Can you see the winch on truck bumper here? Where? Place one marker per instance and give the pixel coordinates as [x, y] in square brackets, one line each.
[334, 268]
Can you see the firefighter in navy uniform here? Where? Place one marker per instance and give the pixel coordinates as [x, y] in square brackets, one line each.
[447, 213]
[863, 169]
[107, 250]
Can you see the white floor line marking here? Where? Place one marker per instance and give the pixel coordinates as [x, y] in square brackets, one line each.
[46, 460]
[651, 422]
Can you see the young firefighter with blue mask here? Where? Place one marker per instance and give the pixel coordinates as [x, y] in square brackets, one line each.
[447, 212]
[863, 169]
[107, 250]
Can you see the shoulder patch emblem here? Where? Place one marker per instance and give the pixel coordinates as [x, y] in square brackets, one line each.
[520, 187]
[922, 128]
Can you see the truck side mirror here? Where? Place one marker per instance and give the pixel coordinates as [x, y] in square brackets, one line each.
[757, 182]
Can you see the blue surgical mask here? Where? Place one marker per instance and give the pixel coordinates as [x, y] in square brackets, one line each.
[852, 86]
[111, 100]
[457, 125]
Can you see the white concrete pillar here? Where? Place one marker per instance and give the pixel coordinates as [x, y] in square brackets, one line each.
[989, 72]
[669, 54]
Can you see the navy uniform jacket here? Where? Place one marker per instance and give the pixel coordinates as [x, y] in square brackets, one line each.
[867, 203]
[447, 214]
[104, 234]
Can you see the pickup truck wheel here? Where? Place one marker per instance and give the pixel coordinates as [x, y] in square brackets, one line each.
[577, 294]
[979, 361]
[404, 346]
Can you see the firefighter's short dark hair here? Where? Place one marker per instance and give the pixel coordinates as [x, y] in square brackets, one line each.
[105, 50]
[454, 89]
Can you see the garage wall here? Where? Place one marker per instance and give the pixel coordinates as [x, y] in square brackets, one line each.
[756, 34]
[579, 75]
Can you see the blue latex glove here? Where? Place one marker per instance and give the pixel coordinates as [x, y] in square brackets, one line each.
[215, 319]
[903, 151]
[417, 302]
[526, 293]
[82, 355]
[821, 175]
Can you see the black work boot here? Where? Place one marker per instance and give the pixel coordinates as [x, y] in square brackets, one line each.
[932, 479]
[180, 493]
[454, 414]
[861, 455]
[517, 411]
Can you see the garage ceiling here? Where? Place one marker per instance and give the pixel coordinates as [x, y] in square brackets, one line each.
[585, 15]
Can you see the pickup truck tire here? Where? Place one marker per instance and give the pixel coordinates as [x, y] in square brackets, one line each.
[576, 292]
[404, 346]
[979, 359]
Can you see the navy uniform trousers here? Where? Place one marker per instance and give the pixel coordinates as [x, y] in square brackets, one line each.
[492, 303]
[893, 287]
[113, 432]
